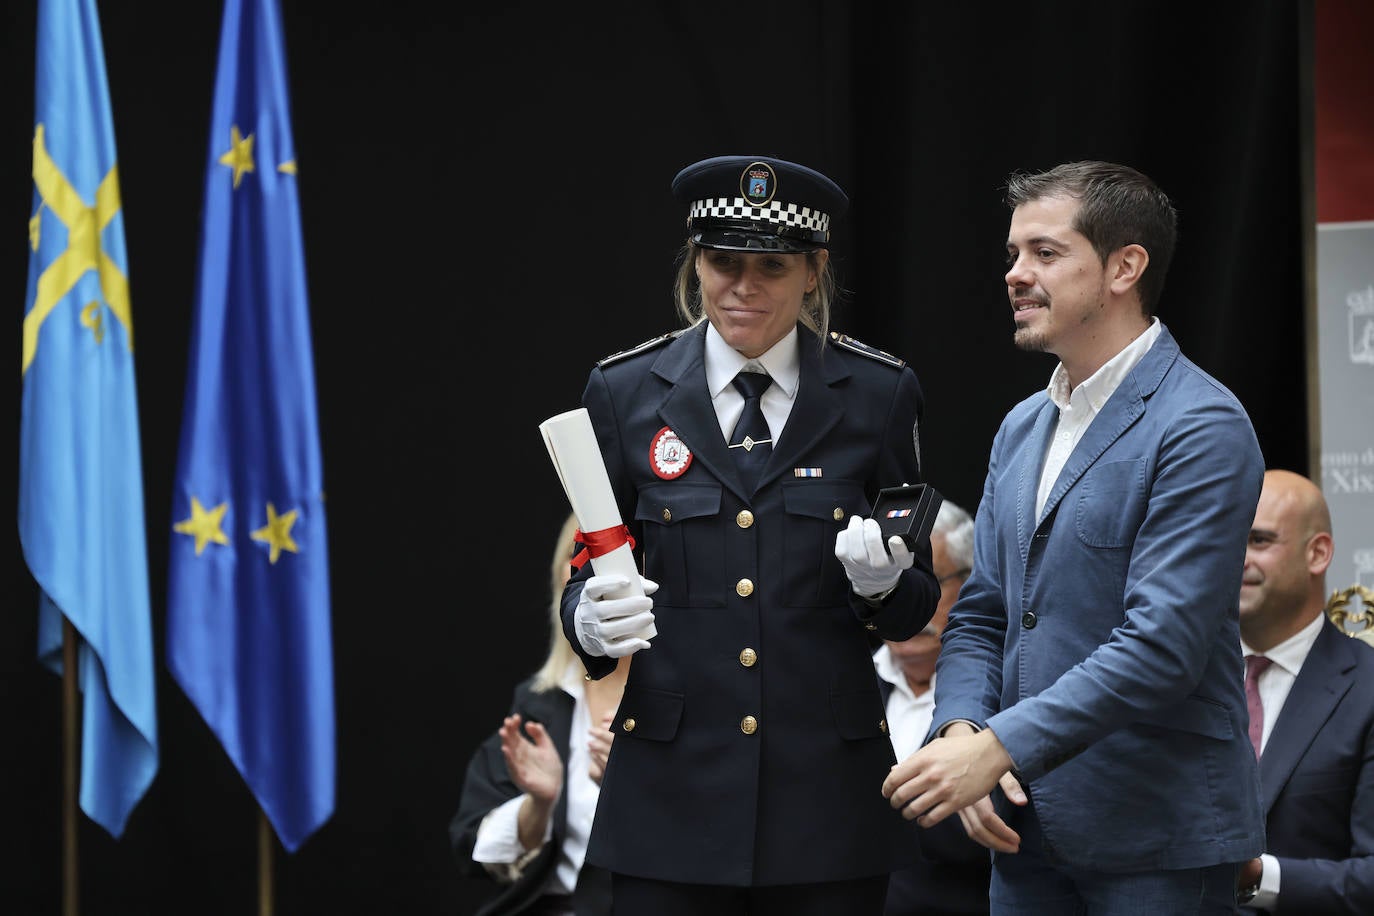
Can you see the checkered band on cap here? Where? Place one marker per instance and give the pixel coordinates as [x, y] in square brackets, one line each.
[789, 215]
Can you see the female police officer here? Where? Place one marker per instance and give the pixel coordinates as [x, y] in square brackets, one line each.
[751, 737]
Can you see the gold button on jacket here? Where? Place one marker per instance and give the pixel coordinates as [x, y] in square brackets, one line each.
[745, 518]
[748, 657]
[628, 725]
[744, 588]
[749, 725]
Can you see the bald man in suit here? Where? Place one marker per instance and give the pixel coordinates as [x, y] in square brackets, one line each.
[1316, 725]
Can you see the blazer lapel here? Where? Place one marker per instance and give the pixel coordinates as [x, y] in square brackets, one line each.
[1028, 486]
[687, 409]
[814, 413]
[1122, 409]
[1324, 679]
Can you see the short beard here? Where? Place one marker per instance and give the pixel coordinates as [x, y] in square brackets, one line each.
[1029, 340]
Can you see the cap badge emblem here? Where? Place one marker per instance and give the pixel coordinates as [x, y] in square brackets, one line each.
[758, 183]
[669, 456]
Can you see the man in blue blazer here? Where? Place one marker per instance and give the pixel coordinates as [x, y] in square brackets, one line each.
[1092, 664]
[1316, 727]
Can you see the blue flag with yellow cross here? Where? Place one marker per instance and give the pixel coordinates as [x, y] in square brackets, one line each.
[80, 466]
[248, 606]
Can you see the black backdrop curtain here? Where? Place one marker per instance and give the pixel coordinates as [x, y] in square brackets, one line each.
[485, 198]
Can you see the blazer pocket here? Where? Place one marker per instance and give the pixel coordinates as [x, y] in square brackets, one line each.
[648, 714]
[1111, 503]
[1195, 714]
[683, 550]
[859, 712]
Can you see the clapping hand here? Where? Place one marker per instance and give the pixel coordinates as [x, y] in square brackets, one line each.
[599, 746]
[534, 763]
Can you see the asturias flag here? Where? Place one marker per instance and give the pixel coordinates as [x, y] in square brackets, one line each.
[248, 614]
[80, 471]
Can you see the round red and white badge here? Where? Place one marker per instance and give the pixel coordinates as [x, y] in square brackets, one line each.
[668, 455]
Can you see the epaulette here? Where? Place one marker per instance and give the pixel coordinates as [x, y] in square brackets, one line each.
[638, 348]
[863, 349]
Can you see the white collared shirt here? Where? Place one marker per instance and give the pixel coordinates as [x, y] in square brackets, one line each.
[498, 837]
[1276, 680]
[908, 714]
[723, 363]
[1274, 685]
[1077, 408]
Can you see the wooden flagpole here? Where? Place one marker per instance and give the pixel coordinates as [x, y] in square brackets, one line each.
[71, 771]
[266, 856]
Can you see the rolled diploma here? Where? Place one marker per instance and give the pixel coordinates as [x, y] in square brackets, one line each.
[572, 446]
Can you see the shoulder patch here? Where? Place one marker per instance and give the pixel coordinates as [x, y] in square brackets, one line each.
[638, 348]
[863, 349]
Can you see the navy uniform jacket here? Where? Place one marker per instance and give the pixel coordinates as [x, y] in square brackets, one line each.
[1317, 781]
[755, 618]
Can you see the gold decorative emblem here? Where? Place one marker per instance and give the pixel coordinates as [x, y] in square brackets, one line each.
[1339, 612]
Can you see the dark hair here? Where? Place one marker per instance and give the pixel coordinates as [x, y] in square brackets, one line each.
[1118, 206]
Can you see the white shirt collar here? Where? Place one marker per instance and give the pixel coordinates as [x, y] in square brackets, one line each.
[723, 362]
[889, 670]
[1292, 652]
[1102, 384]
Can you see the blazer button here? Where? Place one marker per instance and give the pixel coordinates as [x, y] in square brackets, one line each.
[745, 518]
[628, 725]
[882, 726]
[748, 725]
[838, 513]
[667, 514]
[871, 627]
[744, 588]
[748, 657]
[1028, 620]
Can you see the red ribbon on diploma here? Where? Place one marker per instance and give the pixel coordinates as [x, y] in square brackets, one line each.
[600, 543]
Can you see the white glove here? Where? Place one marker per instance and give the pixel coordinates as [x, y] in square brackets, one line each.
[871, 570]
[614, 626]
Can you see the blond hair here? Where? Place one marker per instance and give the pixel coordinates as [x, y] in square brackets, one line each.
[561, 656]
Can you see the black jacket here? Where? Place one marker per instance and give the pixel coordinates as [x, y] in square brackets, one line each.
[488, 785]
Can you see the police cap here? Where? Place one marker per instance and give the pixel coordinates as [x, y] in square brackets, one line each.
[758, 203]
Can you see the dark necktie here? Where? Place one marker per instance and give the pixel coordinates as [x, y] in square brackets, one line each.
[1254, 667]
[751, 442]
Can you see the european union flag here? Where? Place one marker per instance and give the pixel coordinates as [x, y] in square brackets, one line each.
[80, 470]
[248, 629]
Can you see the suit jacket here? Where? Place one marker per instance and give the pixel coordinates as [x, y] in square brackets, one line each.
[1317, 781]
[750, 742]
[950, 877]
[487, 785]
[1101, 642]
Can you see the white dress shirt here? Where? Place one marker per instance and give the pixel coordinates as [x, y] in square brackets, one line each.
[498, 836]
[723, 363]
[908, 714]
[1273, 684]
[1077, 408]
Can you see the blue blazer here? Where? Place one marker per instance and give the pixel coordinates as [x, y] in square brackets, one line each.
[692, 792]
[1317, 781]
[1101, 644]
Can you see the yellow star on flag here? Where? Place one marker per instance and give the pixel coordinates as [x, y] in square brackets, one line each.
[277, 532]
[240, 155]
[204, 526]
